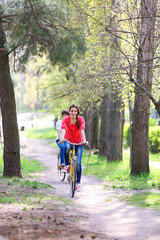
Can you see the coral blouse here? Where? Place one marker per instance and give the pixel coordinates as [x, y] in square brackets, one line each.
[73, 134]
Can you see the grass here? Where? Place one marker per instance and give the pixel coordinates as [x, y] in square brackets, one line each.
[29, 165]
[7, 199]
[155, 157]
[49, 133]
[25, 183]
[116, 175]
[41, 133]
[147, 199]
[29, 193]
[34, 184]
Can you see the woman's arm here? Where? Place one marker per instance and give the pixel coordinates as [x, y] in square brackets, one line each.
[84, 137]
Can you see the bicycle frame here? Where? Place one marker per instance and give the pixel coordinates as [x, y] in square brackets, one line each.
[73, 168]
[72, 159]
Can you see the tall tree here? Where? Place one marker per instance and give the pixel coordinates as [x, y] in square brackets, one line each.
[33, 28]
[11, 153]
[140, 135]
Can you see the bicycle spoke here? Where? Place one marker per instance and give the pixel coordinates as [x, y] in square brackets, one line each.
[61, 174]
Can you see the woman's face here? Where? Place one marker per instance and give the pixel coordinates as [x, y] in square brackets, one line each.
[73, 112]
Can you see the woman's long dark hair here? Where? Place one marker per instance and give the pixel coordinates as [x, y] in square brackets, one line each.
[75, 106]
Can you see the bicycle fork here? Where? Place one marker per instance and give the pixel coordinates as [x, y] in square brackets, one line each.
[72, 165]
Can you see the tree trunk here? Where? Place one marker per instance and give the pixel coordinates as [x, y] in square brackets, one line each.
[140, 126]
[11, 155]
[130, 130]
[87, 127]
[92, 126]
[115, 129]
[104, 128]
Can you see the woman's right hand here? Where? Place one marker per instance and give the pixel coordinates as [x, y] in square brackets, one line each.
[85, 142]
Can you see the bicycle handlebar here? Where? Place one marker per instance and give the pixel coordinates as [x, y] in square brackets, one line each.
[65, 140]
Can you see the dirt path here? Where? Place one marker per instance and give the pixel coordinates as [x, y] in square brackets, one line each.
[105, 214]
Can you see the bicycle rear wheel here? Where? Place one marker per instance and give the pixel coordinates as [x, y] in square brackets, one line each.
[73, 178]
[61, 174]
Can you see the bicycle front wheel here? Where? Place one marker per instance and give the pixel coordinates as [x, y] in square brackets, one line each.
[61, 174]
[73, 178]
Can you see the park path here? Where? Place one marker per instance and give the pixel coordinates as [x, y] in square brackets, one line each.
[105, 213]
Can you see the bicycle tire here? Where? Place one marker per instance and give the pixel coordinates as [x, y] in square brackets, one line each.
[73, 178]
[61, 174]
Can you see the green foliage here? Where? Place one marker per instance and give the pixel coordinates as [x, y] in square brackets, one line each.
[43, 28]
[126, 135]
[1, 161]
[152, 121]
[154, 139]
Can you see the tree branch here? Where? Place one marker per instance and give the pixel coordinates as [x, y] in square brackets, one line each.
[8, 16]
[13, 49]
[39, 24]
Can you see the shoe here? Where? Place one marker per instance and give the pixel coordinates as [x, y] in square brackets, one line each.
[66, 169]
[78, 187]
[62, 165]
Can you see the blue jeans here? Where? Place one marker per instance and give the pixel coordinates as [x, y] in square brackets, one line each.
[78, 152]
[62, 151]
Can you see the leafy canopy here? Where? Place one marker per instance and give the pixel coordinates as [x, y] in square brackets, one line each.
[41, 27]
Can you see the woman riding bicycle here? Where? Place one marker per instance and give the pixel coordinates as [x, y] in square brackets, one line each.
[73, 127]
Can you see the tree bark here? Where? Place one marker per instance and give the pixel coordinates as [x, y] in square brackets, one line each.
[92, 126]
[140, 126]
[115, 129]
[104, 127]
[87, 127]
[11, 154]
[130, 130]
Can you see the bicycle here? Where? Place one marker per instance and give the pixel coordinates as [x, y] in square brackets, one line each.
[72, 177]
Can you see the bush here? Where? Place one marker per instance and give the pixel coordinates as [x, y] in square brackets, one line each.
[152, 121]
[154, 139]
[126, 135]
